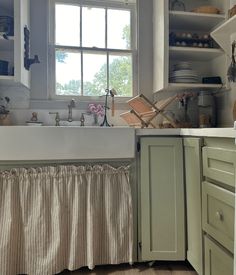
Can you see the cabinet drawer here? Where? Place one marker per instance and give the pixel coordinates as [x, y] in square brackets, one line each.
[219, 164]
[218, 261]
[218, 214]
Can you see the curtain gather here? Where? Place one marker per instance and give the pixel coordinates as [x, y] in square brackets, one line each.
[64, 217]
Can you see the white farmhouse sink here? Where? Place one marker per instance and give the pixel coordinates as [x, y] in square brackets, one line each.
[65, 143]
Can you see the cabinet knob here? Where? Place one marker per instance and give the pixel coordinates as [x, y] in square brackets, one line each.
[219, 216]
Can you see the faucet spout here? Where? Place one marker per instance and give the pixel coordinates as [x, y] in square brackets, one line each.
[70, 106]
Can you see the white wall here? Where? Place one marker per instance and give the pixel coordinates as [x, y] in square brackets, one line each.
[225, 102]
[232, 3]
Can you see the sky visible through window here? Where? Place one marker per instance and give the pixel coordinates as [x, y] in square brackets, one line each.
[67, 33]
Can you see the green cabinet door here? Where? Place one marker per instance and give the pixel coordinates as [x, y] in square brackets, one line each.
[193, 179]
[218, 261]
[162, 199]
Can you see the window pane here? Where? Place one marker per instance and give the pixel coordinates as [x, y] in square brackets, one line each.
[68, 73]
[94, 74]
[93, 27]
[118, 28]
[120, 74]
[67, 25]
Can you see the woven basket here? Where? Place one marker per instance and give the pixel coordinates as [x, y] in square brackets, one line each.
[206, 9]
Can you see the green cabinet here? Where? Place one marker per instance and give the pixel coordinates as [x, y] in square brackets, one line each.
[193, 179]
[218, 203]
[218, 214]
[219, 165]
[218, 261]
[162, 224]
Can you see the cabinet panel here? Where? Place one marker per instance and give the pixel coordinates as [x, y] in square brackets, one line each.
[217, 260]
[219, 165]
[193, 180]
[162, 199]
[218, 214]
[21, 19]
[160, 46]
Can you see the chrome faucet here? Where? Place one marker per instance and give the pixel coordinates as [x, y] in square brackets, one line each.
[70, 106]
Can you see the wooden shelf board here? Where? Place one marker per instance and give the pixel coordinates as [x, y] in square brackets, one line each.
[194, 21]
[7, 80]
[194, 54]
[222, 34]
[193, 86]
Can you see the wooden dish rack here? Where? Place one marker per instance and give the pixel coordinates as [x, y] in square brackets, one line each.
[143, 111]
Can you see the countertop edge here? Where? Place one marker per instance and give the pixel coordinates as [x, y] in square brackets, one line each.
[204, 132]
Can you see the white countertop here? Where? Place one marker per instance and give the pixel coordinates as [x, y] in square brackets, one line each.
[198, 132]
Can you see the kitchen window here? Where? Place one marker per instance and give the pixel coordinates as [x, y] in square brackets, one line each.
[92, 48]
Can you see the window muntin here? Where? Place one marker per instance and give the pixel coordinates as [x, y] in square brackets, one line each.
[96, 54]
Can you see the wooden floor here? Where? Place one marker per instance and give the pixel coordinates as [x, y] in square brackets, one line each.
[159, 268]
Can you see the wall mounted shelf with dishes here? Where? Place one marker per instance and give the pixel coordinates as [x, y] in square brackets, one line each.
[184, 36]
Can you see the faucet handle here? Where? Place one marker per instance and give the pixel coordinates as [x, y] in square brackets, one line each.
[57, 117]
[82, 120]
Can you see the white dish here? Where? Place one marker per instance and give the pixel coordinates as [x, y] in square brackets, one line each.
[182, 66]
[184, 81]
[184, 72]
[185, 76]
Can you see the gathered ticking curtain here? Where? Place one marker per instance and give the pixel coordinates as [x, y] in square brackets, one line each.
[64, 217]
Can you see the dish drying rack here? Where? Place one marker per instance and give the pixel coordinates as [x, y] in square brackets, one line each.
[144, 111]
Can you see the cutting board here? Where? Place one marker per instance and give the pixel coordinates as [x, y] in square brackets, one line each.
[234, 111]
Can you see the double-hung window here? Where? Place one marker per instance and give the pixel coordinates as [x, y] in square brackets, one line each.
[92, 47]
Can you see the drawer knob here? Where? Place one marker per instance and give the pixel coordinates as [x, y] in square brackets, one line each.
[219, 216]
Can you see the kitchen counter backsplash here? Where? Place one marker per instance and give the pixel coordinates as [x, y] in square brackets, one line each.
[21, 116]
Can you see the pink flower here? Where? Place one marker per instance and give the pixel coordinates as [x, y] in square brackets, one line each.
[97, 109]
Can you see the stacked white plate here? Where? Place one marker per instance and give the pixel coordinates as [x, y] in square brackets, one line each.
[183, 73]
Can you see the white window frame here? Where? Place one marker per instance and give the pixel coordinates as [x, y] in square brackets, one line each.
[116, 4]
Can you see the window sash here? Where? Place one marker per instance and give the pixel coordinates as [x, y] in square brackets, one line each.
[53, 46]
